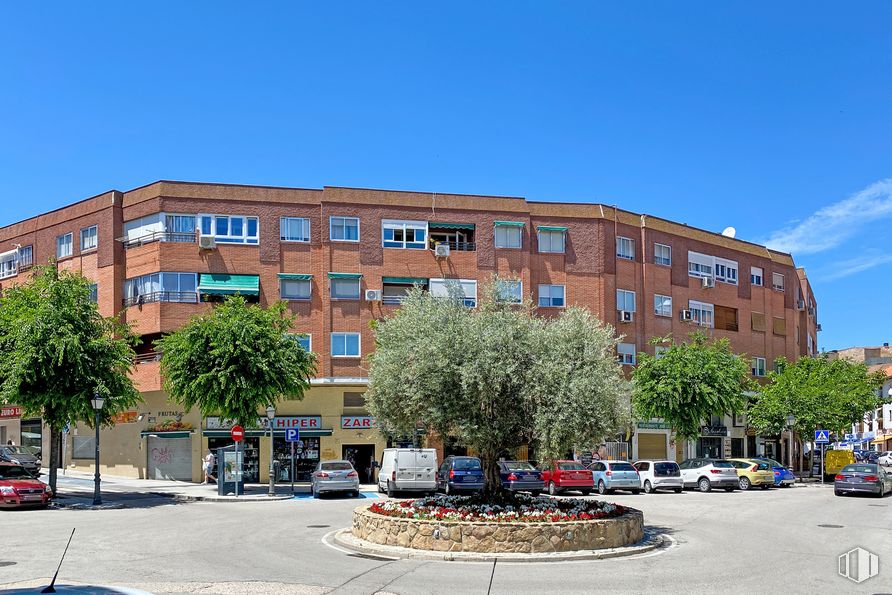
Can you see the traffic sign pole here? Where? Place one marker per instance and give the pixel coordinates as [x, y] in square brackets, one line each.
[292, 468]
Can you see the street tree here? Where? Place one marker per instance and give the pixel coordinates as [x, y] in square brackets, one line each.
[496, 377]
[236, 360]
[819, 392]
[690, 381]
[57, 351]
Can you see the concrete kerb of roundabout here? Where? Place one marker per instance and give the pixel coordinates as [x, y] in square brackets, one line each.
[376, 535]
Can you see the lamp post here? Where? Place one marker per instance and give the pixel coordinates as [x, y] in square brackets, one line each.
[97, 402]
[271, 415]
[791, 419]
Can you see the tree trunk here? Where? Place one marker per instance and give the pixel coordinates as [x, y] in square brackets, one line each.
[811, 458]
[55, 436]
[491, 477]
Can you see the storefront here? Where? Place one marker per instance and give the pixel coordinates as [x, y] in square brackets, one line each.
[651, 440]
[711, 443]
[10, 424]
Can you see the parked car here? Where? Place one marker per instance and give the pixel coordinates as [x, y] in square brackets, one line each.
[408, 470]
[561, 476]
[835, 460]
[659, 475]
[872, 457]
[751, 472]
[705, 474]
[20, 455]
[783, 476]
[19, 488]
[521, 476]
[460, 474]
[615, 475]
[334, 476]
[866, 478]
[885, 458]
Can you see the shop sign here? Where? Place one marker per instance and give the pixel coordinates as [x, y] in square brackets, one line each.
[125, 417]
[302, 422]
[653, 425]
[358, 422]
[7, 412]
[714, 430]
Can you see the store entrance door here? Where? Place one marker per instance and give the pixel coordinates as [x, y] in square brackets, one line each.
[361, 456]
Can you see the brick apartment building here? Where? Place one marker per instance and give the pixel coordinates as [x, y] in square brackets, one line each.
[343, 257]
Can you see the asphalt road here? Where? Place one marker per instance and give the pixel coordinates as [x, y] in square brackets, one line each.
[739, 542]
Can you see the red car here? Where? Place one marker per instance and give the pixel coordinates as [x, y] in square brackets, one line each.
[18, 488]
[567, 475]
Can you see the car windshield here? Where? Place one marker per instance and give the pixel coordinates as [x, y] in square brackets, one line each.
[337, 466]
[723, 464]
[665, 467]
[518, 466]
[466, 464]
[570, 466]
[14, 472]
[19, 450]
[859, 469]
[622, 467]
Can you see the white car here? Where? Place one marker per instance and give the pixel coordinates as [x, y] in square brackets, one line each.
[885, 458]
[659, 475]
[705, 474]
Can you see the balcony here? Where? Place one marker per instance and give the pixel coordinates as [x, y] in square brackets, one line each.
[146, 373]
[458, 236]
[160, 236]
[183, 297]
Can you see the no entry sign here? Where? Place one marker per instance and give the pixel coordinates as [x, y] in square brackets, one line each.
[238, 433]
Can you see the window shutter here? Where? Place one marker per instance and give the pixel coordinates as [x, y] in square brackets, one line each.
[779, 326]
[758, 320]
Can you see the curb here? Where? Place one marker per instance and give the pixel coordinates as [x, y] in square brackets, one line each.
[345, 539]
[193, 498]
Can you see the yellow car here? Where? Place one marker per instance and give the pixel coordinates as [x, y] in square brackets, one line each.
[835, 460]
[753, 473]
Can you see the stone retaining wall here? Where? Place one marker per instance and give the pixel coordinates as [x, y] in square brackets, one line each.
[459, 536]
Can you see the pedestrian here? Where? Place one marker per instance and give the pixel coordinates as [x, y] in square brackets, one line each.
[210, 463]
[10, 442]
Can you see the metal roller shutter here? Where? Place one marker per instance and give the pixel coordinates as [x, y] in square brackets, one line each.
[652, 446]
[170, 458]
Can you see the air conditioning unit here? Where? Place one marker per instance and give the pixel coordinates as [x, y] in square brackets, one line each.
[811, 311]
[441, 250]
[686, 315]
[800, 304]
[373, 295]
[708, 282]
[207, 242]
[818, 328]
[626, 316]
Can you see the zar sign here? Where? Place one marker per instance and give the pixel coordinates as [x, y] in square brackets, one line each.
[357, 422]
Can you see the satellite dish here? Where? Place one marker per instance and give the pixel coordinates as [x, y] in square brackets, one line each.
[729, 232]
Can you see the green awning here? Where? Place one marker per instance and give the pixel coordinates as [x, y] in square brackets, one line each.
[345, 275]
[551, 228]
[146, 434]
[405, 280]
[509, 223]
[229, 284]
[440, 225]
[295, 277]
[259, 433]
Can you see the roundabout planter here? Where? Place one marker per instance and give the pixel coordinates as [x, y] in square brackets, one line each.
[448, 535]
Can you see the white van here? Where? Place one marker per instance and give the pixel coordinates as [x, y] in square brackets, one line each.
[409, 470]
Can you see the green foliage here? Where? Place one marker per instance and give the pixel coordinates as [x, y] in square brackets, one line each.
[691, 381]
[235, 360]
[819, 392]
[56, 351]
[496, 377]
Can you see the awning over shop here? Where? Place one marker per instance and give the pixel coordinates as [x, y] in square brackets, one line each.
[509, 223]
[345, 275]
[551, 228]
[215, 284]
[260, 433]
[404, 280]
[881, 440]
[146, 434]
[295, 277]
[440, 225]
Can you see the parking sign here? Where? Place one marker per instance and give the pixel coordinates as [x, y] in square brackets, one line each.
[292, 435]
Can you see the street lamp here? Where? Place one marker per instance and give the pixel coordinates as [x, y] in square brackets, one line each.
[97, 402]
[271, 415]
[791, 419]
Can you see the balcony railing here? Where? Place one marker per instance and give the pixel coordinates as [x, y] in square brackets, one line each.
[462, 246]
[187, 297]
[393, 300]
[147, 358]
[160, 236]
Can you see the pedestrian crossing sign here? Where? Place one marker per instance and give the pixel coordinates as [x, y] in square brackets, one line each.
[822, 436]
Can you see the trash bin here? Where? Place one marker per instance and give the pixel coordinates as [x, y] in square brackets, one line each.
[230, 463]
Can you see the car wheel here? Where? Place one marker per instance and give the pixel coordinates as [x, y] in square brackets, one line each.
[585, 492]
[447, 490]
[648, 488]
[636, 491]
[602, 489]
[765, 486]
[552, 489]
[355, 493]
[729, 489]
[678, 490]
[704, 485]
[380, 489]
[745, 483]
[314, 492]
[837, 493]
[390, 490]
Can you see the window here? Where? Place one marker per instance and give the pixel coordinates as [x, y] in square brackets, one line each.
[625, 248]
[509, 234]
[779, 326]
[161, 287]
[726, 271]
[344, 289]
[625, 300]
[663, 254]
[63, 246]
[626, 352]
[9, 264]
[758, 366]
[88, 238]
[26, 256]
[231, 229]
[179, 228]
[294, 229]
[343, 229]
[701, 314]
[160, 227]
[811, 345]
[94, 293]
[756, 275]
[700, 265]
[345, 344]
[462, 289]
[354, 400]
[660, 351]
[777, 281]
[725, 318]
[404, 234]
[551, 296]
[551, 239]
[758, 321]
[663, 305]
[295, 289]
[509, 290]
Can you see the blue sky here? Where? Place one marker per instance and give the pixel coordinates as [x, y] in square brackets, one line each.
[774, 119]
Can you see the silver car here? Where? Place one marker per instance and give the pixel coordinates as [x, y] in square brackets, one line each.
[335, 476]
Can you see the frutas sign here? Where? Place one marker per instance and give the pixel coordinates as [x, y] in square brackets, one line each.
[358, 422]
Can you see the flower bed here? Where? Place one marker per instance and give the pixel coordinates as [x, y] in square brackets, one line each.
[519, 508]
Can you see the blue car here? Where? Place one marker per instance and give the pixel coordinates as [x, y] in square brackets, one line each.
[520, 476]
[460, 474]
[783, 477]
[615, 475]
